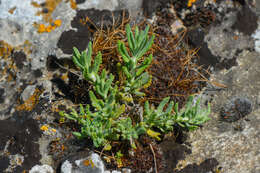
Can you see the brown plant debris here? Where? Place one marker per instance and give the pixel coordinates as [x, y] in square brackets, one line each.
[174, 72]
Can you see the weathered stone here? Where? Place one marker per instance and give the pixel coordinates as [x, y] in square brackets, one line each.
[41, 169]
[90, 164]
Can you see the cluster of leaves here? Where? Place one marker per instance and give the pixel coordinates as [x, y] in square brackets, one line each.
[106, 119]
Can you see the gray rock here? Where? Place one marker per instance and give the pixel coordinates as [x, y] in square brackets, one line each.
[90, 164]
[28, 92]
[41, 169]
[235, 146]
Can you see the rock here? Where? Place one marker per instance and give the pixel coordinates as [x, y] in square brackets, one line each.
[236, 109]
[28, 92]
[2, 94]
[89, 164]
[125, 170]
[41, 169]
[256, 37]
[246, 21]
[23, 12]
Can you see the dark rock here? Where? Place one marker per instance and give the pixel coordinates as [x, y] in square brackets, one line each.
[236, 109]
[80, 1]
[23, 135]
[19, 58]
[172, 153]
[70, 39]
[208, 165]
[4, 161]
[227, 63]
[81, 37]
[2, 91]
[51, 63]
[150, 6]
[195, 38]
[37, 73]
[242, 2]
[246, 21]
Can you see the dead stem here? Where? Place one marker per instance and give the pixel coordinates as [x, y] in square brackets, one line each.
[154, 158]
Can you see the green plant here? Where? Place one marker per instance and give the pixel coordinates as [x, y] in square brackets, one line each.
[139, 44]
[106, 120]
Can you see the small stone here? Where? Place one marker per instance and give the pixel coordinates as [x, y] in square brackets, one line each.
[114, 171]
[126, 170]
[41, 169]
[177, 26]
[66, 167]
[28, 92]
[236, 109]
[89, 164]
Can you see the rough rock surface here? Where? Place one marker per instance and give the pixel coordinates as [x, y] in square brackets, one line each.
[30, 89]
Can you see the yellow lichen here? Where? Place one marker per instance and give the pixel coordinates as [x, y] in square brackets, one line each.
[73, 4]
[49, 28]
[11, 11]
[190, 2]
[88, 163]
[29, 104]
[52, 26]
[44, 127]
[46, 11]
[41, 28]
[49, 6]
[57, 22]
[5, 49]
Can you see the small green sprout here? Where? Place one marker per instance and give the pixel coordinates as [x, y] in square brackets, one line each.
[139, 44]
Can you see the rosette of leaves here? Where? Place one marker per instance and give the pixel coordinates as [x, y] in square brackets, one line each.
[102, 123]
[83, 61]
[139, 43]
[163, 118]
[192, 115]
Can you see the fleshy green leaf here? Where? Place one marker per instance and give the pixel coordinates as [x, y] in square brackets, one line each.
[97, 62]
[162, 104]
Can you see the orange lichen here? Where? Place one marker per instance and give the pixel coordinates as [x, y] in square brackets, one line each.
[44, 127]
[10, 69]
[41, 28]
[73, 4]
[47, 9]
[26, 47]
[190, 2]
[29, 104]
[49, 28]
[11, 11]
[53, 25]
[235, 37]
[65, 77]
[57, 22]
[5, 49]
[88, 163]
